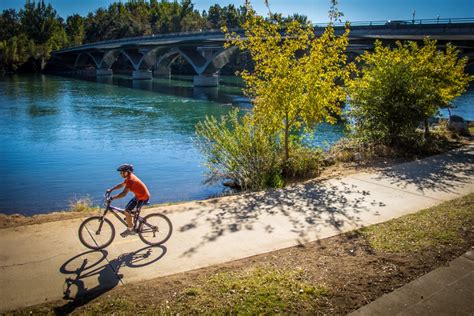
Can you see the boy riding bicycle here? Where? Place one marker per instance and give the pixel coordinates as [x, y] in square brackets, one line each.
[134, 184]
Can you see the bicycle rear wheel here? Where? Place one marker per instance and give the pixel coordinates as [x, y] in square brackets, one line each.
[155, 229]
[96, 232]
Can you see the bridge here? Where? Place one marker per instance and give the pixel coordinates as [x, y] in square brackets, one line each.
[153, 55]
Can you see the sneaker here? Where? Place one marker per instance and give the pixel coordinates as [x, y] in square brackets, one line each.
[127, 232]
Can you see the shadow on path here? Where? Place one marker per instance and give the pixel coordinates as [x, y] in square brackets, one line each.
[91, 264]
[441, 173]
[335, 205]
[308, 207]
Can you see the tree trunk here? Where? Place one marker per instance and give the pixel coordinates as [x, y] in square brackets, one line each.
[427, 129]
[287, 150]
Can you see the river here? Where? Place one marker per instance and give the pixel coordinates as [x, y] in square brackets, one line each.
[62, 138]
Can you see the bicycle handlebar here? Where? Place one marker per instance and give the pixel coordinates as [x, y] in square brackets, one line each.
[107, 197]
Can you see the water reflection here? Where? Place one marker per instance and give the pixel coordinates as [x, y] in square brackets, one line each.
[206, 93]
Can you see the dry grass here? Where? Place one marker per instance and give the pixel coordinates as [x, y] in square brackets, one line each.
[81, 204]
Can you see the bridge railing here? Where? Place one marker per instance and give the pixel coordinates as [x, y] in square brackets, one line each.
[401, 22]
[154, 37]
[145, 38]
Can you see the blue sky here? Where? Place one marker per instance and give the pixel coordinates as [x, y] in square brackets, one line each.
[316, 10]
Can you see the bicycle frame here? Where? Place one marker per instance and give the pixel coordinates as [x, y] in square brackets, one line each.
[113, 209]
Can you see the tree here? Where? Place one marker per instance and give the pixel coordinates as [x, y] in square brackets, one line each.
[40, 21]
[297, 79]
[75, 29]
[9, 24]
[402, 87]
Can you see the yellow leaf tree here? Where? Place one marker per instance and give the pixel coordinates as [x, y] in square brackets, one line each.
[296, 81]
[403, 86]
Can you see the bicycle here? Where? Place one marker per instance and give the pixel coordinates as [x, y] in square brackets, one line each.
[98, 232]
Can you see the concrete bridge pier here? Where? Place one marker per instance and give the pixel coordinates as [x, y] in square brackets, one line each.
[103, 72]
[206, 80]
[162, 72]
[142, 74]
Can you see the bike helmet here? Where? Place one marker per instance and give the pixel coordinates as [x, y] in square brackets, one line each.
[125, 167]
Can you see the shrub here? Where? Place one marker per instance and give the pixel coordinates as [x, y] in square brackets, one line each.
[83, 204]
[305, 161]
[354, 149]
[401, 88]
[239, 151]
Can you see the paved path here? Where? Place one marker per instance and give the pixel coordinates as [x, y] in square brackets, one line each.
[445, 291]
[45, 262]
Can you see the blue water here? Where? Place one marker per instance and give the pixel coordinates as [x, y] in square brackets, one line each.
[463, 106]
[63, 138]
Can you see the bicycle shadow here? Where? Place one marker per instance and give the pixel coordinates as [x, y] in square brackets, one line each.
[91, 264]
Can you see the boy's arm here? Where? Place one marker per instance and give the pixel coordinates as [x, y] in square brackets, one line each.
[120, 195]
[120, 185]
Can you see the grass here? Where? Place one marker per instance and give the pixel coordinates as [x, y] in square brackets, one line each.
[428, 229]
[257, 290]
[260, 290]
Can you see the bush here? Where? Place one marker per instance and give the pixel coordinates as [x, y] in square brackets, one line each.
[401, 88]
[355, 149]
[304, 161]
[239, 151]
[83, 204]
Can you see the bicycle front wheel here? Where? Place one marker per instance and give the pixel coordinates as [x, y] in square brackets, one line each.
[155, 229]
[96, 232]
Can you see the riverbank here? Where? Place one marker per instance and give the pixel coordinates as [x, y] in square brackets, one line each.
[331, 172]
[335, 170]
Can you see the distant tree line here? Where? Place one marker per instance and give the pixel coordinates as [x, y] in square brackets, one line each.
[28, 36]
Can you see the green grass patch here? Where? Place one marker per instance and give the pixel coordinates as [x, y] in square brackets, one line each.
[428, 229]
[262, 290]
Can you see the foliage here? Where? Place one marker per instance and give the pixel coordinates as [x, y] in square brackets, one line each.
[238, 150]
[429, 229]
[31, 36]
[402, 87]
[305, 161]
[83, 204]
[296, 81]
[9, 23]
[75, 29]
[228, 16]
[15, 51]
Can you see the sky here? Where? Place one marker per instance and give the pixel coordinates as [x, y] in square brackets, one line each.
[315, 10]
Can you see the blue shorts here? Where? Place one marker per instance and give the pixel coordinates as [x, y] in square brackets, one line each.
[135, 203]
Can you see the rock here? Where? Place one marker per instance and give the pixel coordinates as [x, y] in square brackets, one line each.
[459, 125]
[231, 184]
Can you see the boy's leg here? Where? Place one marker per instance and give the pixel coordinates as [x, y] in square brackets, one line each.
[128, 210]
[128, 217]
[140, 203]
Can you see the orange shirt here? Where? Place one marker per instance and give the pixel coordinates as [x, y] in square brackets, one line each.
[137, 187]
